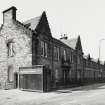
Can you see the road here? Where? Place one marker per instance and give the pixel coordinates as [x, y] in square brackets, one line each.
[85, 95]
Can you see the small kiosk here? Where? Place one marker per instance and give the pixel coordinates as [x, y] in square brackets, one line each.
[35, 78]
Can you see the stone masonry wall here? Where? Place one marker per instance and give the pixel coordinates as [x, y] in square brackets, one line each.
[22, 43]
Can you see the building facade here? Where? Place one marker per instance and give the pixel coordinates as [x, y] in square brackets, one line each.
[31, 58]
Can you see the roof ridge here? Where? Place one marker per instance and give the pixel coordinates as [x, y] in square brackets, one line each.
[17, 21]
[72, 38]
[70, 43]
[33, 22]
[31, 19]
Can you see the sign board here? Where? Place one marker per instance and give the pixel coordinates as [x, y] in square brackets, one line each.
[31, 71]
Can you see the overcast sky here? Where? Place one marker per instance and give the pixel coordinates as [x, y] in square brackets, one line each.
[72, 17]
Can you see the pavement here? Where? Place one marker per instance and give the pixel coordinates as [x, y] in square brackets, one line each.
[84, 95]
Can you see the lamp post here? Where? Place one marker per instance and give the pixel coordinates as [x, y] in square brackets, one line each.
[100, 41]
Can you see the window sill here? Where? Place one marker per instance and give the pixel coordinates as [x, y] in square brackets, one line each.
[10, 81]
[44, 57]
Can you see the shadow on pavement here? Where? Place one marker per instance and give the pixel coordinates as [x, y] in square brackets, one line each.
[82, 88]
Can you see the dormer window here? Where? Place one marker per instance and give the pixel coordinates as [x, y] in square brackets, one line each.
[10, 49]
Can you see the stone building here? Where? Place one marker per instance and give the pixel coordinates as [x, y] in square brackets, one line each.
[27, 48]
[15, 44]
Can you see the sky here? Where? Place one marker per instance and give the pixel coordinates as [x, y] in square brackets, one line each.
[72, 17]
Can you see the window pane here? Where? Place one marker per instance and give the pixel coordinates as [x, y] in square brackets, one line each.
[45, 50]
[78, 59]
[64, 54]
[57, 53]
[70, 57]
[10, 49]
[42, 48]
[56, 74]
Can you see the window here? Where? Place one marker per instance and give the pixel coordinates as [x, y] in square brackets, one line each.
[70, 57]
[56, 74]
[56, 53]
[73, 58]
[78, 60]
[78, 75]
[64, 55]
[44, 47]
[70, 73]
[10, 74]
[10, 49]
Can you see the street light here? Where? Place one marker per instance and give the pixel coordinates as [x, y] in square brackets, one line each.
[100, 41]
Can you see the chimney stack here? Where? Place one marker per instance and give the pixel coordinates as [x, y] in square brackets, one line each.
[9, 15]
[64, 37]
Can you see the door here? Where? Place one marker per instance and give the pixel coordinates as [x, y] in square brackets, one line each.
[78, 76]
[16, 79]
[66, 76]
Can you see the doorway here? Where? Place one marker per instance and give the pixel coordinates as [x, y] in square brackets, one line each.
[65, 76]
[16, 80]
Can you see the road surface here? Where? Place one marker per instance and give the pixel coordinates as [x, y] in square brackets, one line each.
[86, 95]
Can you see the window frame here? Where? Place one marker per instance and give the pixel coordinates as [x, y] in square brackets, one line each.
[44, 49]
[10, 48]
[78, 59]
[56, 53]
[64, 54]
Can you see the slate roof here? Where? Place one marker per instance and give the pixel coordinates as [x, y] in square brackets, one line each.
[70, 42]
[92, 59]
[32, 23]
